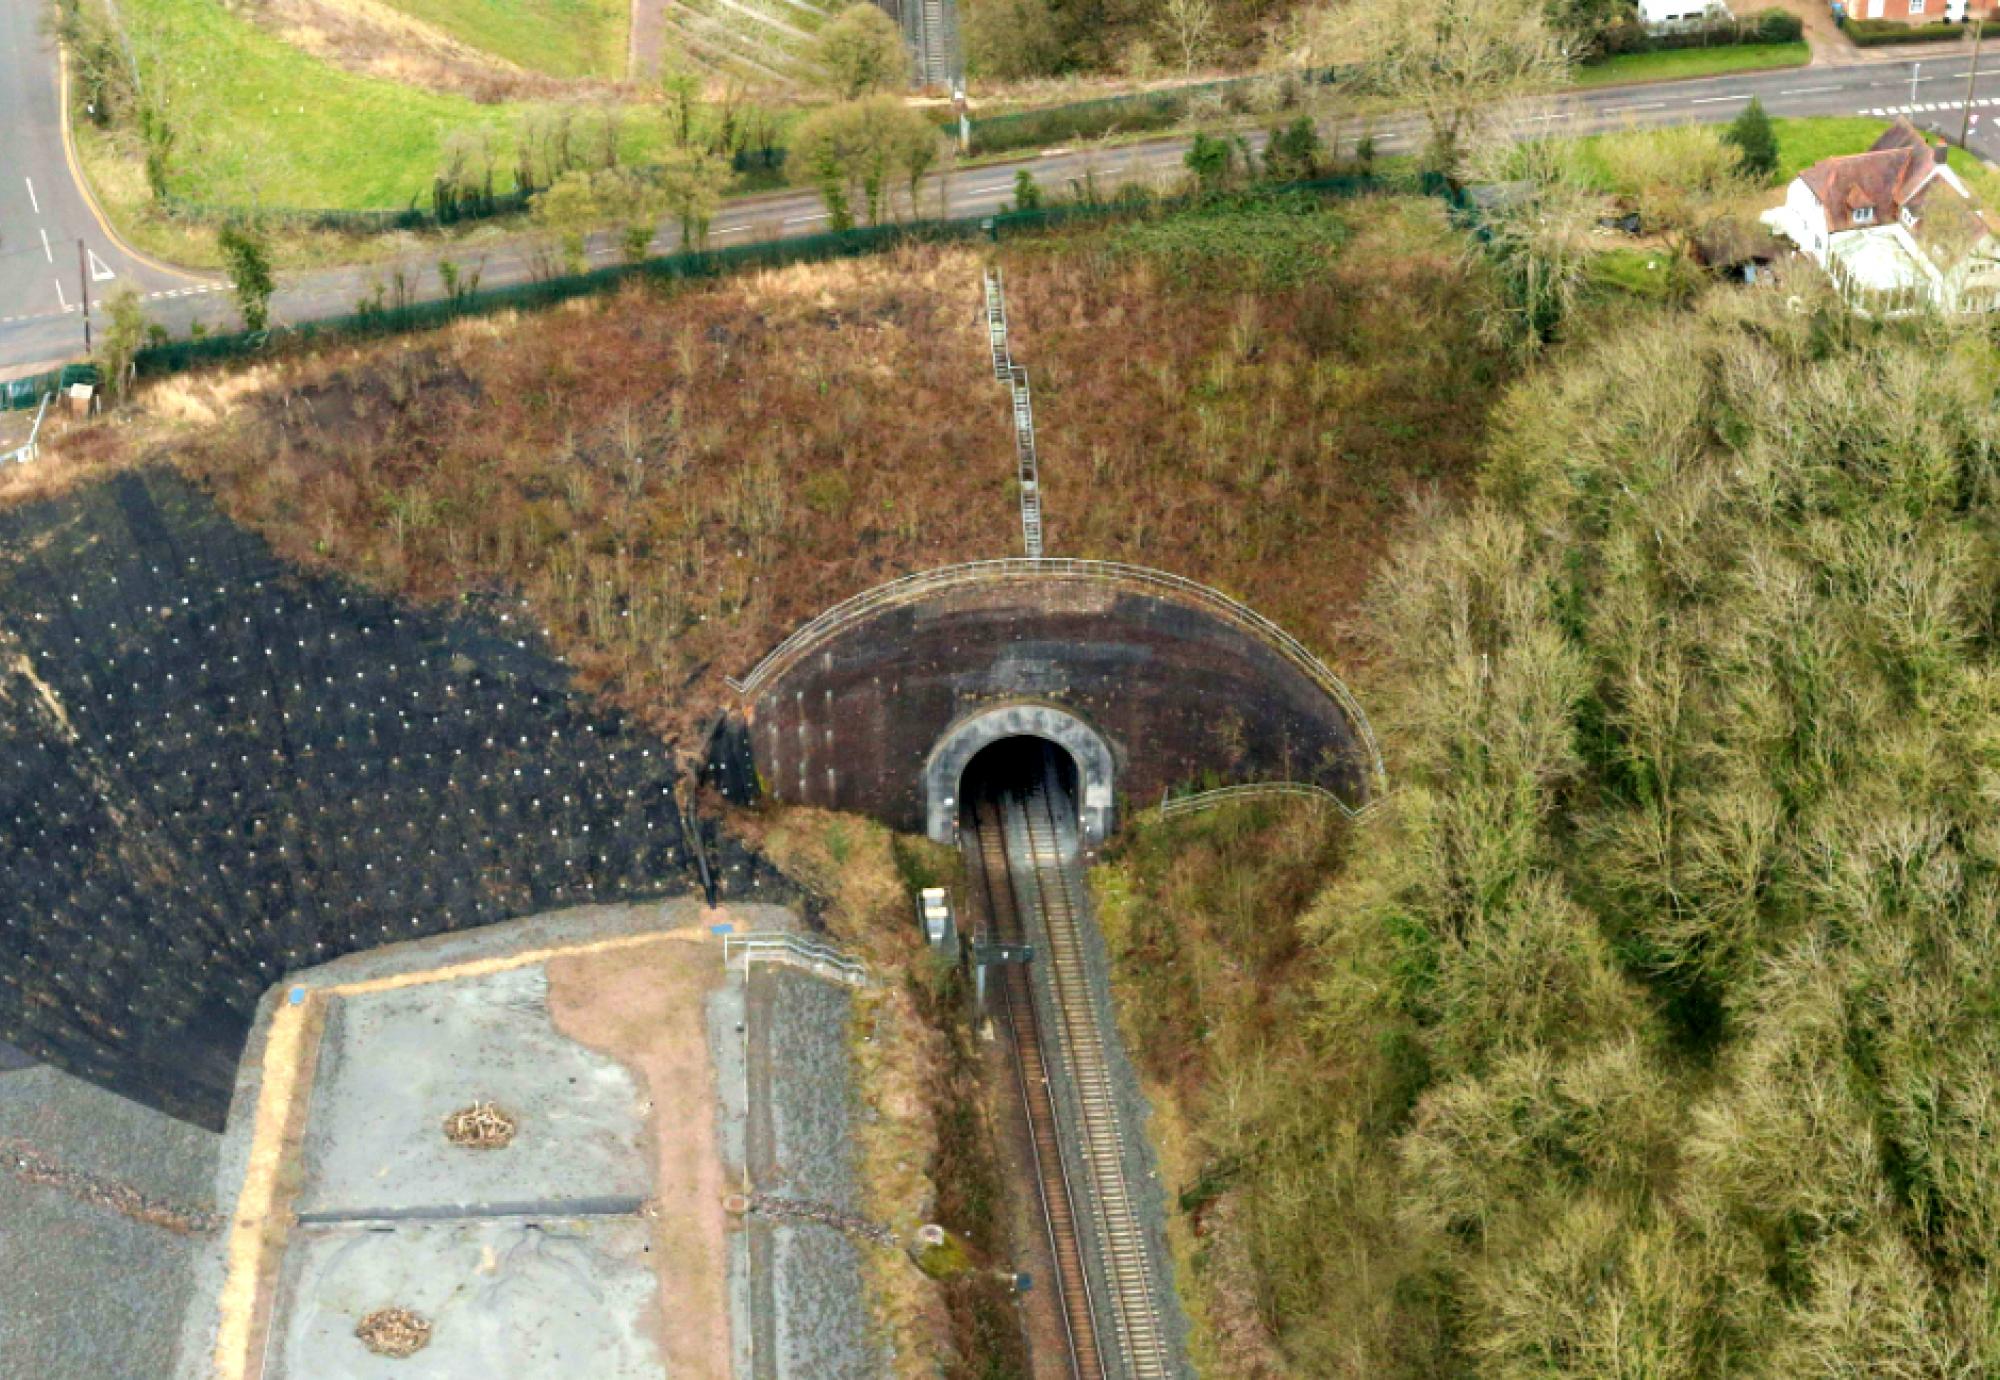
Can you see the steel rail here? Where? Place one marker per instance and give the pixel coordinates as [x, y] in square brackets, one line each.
[1124, 1252]
[988, 856]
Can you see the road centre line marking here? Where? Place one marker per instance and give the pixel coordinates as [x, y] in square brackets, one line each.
[59, 295]
[33, 200]
[1712, 100]
[801, 220]
[47, 252]
[1808, 90]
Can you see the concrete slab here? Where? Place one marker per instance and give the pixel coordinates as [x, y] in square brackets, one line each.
[395, 1064]
[525, 1299]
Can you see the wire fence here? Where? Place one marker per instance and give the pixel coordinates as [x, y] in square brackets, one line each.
[26, 452]
[374, 221]
[1143, 110]
[17, 395]
[1172, 805]
[179, 355]
[691, 265]
[925, 583]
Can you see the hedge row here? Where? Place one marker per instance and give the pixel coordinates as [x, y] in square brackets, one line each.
[1872, 33]
[1142, 111]
[1766, 26]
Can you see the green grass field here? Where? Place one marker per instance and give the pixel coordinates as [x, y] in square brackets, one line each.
[1801, 143]
[1692, 62]
[565, 38]
[258, 121]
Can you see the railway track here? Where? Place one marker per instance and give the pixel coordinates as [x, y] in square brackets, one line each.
[1025, 866]
[1049, 1159]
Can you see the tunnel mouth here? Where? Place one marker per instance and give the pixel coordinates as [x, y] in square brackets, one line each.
[1092, 767]
[1013, 766]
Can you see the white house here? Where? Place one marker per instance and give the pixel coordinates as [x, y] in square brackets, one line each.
[1895, 227]
[1680, 14]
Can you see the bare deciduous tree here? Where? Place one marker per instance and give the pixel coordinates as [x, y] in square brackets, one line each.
[1456, 61]
[1189, 25]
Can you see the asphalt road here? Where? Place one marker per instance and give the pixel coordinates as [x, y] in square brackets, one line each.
[39, 286]
[50, 241]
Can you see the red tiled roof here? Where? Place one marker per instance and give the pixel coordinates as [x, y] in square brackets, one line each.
[1895, 173]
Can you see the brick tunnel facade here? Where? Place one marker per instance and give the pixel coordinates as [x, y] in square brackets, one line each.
[876, 711]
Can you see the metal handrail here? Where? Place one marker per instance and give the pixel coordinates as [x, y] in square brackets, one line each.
[788, 652]
[1260, 790]
[23, 454]
[781, 945]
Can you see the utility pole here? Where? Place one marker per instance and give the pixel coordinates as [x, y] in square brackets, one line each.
[1971, 76]
[83, 276]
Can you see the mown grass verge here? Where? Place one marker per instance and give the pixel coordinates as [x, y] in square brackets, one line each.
[1681, 63]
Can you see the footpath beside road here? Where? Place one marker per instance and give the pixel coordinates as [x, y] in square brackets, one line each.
[34, 334]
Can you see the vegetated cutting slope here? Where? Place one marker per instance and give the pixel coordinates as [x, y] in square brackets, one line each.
[1244, 396]
[216, 770]
[761, 42]
[1652, 1022]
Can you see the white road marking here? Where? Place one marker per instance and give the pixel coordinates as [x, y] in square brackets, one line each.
[801, 220]
[732, 230]
[32, 199]
[47, 252]
[1808, 90]
[59, 295]
[1713, 100]
[100, 271]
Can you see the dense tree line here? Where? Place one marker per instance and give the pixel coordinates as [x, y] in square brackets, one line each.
[1652, 1029]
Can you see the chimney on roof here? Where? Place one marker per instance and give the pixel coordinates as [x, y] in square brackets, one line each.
[1943, 150]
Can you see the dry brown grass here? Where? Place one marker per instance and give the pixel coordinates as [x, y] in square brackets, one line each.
[377, 40]
[673, 480]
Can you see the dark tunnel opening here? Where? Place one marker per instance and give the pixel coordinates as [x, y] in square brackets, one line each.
[1013, 766]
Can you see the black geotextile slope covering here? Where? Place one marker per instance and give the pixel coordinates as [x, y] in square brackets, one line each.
[214, 769]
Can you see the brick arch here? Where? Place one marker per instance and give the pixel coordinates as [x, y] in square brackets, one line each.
[1096, 765]
[1183, 685]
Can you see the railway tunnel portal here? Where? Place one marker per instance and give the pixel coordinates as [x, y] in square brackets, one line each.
[1148, 682]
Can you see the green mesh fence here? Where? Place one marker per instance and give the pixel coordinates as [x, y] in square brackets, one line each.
[1141, 111]
[18, 395]
[367, 222]
[157, 360]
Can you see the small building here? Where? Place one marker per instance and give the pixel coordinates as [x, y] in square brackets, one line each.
[1895, 228]
[1686, 14]
[1735, 249]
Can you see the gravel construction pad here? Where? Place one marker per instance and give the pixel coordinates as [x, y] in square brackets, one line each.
[394, 1065]
[86, 1294]
[504, 1297]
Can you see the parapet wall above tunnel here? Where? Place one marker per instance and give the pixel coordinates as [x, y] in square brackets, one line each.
[1184, 686]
